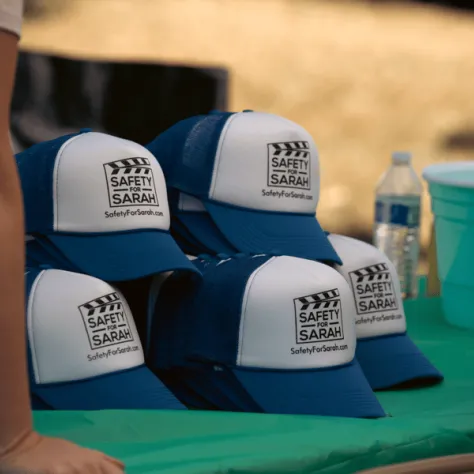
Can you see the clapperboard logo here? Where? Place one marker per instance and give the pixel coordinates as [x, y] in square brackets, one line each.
[319, 317]
[373, 289]
[105, 321]
[289, 165]
[130, 182]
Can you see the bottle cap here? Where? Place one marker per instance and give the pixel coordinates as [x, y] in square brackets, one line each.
[401, 157]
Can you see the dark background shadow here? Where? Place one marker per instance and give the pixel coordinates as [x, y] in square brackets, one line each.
[56, 95]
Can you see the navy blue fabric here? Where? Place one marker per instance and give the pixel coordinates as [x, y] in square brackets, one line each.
[187, 150]
[204, 264]
[391, 360]
[36, 255]
[132, 389]
[175, 294]
[184, 245]
[176, 381]
[38, 404]
[201, 226]
[336, 391]
[182, 235]
[167, 337]
[196, 228]
[217, 310]
[36, 169]
[218, 387]
[122, 256]
[191, 381]
[41, 251]
[295, 235]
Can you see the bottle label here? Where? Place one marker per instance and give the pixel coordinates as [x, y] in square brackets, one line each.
[397, 214]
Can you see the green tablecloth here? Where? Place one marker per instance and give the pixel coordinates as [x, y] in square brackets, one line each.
[430, 422]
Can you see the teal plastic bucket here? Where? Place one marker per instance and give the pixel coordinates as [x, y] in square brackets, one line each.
[451, 187]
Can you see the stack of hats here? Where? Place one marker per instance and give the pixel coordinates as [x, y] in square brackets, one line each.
[271, 334]
[251, 305]
[96, 209]
[244, 182]
[84, 352]
[98, 205]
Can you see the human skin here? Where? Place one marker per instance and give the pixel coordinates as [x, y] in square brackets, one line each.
[22, 449]
[15, 413]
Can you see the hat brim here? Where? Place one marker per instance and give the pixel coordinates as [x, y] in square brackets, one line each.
[201, 226]
[336, 391]
[179, 228]
[44, 252]
[295, 235]
[185, 241]
[123, 256]
[388, 361]
[131, 389]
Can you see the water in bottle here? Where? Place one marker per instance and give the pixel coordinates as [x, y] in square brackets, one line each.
[397, 220]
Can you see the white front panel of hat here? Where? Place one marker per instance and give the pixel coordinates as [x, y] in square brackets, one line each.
[375, 287]
[79, 327]
[266, 162]
[296, 314]
[105, 184]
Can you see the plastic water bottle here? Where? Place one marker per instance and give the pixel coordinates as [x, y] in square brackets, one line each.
[397, 220]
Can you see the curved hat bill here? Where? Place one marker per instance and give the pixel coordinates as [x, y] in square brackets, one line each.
[296, 235]
[136, 388]
[123, 256]
[337, 391]
[388, 361]
[203, 228]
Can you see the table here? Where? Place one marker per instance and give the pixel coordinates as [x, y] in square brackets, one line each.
[434, 421]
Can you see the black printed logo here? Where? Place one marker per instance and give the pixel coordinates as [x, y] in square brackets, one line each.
[373, 289]
[130, 183]
[289, 165]
[105, 321]
[319, 317]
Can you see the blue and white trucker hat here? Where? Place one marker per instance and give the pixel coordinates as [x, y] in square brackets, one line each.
[257, 175]
[385, 352]
[102, 202]
[279, 329]
[84, 349]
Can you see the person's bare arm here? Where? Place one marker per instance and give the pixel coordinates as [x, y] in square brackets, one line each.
[15, 412]
[21, 448]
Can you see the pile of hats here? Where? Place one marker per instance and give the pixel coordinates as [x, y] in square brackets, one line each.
[240, 300]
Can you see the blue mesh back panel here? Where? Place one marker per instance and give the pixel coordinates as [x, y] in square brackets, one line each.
[217, 310]
[36, 167]
[187, 150]
[174, 294]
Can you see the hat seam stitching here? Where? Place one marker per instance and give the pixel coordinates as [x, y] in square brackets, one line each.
[215, 171]
[31, 333]
[56, 179]
[244, 308]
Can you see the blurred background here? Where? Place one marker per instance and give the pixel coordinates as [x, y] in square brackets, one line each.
[365, 78]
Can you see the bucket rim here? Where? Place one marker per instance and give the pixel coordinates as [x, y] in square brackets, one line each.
[436, 174]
